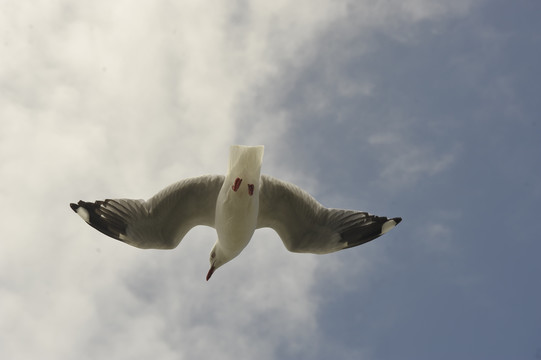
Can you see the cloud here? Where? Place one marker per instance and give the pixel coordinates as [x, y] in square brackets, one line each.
[102, 99]
[408, 162]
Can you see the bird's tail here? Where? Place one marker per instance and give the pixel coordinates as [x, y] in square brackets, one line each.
[247, 157]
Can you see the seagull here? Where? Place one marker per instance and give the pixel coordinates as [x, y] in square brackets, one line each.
[235, 205]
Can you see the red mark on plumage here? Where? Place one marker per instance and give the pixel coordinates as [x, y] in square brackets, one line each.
[251, 189]
[236, 185]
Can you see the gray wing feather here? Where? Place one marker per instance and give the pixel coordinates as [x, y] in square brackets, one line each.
[304, 225]
[163, 220]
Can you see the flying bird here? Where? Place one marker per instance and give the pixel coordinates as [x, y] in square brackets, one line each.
[235, 205]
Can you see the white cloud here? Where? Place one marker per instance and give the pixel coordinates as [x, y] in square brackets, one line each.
[398, 18]
[436, 237]
[95, 103]
[406, 162]
[414, 163]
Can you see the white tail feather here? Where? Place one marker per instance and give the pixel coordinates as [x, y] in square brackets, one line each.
[245, 157]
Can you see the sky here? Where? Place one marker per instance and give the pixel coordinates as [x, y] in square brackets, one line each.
[421, 109]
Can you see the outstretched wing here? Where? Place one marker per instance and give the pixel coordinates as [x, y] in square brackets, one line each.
[163, 220]
[304, 225]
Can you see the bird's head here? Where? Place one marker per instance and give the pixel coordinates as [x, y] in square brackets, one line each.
[217, 258]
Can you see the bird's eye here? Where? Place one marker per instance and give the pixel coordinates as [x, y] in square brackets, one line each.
[213, 255]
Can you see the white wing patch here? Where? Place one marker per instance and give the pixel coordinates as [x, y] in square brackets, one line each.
[83, 213]
[388, 225]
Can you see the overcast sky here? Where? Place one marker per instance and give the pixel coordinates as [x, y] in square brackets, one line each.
[424, 109]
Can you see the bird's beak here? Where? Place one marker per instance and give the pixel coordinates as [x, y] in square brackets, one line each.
[211, 271]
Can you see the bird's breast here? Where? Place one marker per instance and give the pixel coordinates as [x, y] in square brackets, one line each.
[237, 209]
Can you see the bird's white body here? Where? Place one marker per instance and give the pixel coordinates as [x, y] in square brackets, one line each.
[237, 206]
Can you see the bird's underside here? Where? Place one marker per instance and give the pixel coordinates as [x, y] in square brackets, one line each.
[302, 223]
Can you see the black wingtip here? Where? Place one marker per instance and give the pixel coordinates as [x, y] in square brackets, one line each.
[106, 221]
[397, 220]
